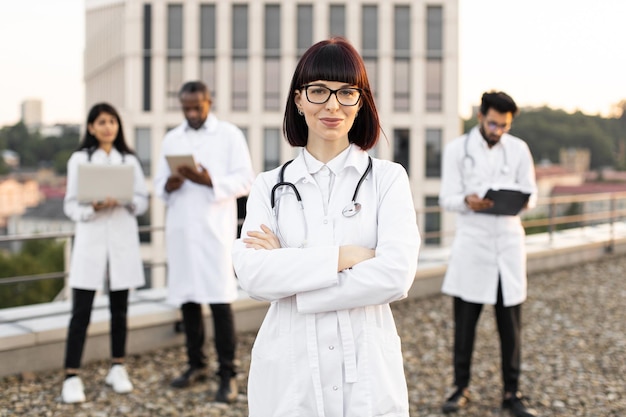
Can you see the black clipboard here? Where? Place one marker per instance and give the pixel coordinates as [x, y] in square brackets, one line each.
[506, 202]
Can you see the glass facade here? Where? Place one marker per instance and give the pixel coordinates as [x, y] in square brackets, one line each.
[402, 148]
[402, 59]
[208, 49]
[147, 58]
[337, 22]
[174, 65]
[434, 145]
[271, 148]
[271, 86]
[432, 222]
[304, 28]
[143, 149]
[240, 57]
[369, 41]
[434, 58]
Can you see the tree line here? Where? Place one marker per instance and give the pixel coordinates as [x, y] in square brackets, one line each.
[548, 130]
[36, 150]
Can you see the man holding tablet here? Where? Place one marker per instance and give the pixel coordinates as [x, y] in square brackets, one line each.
[201, 225]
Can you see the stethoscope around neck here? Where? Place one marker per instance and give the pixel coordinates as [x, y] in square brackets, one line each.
[469, 163]
[348, 211]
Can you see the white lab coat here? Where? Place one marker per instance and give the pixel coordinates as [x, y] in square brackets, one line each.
[486, 246]
[201, 222]
[106, 235]
[328, 346]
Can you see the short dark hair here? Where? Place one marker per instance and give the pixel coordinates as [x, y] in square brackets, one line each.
[499, 101]
[90, 142]
[195, 87]
[333, 59]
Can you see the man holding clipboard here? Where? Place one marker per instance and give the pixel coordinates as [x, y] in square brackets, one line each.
[488, 177]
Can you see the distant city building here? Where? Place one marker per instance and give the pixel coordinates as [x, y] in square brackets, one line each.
[139, 52]
[16, 196]
[32, 113]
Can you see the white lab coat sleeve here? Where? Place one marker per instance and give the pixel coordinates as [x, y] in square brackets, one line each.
[72, 209]
[389, 275]
[452, 193]
[161, 176]
[236, 183]
[140, 196]
[270, 275]
[526, 175]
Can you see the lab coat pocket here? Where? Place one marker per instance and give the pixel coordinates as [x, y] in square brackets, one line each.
[385, 370]
[272, 382]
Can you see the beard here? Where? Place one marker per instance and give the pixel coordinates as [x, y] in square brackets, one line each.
[491, 139]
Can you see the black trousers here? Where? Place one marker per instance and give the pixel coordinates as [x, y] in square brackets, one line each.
[82, 302]
[225, 337]
[509, 323]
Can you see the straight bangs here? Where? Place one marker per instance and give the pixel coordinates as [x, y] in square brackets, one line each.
[332, 63]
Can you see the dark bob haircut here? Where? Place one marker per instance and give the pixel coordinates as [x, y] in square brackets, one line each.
[334, 59]
[499, 101]
[90, 142]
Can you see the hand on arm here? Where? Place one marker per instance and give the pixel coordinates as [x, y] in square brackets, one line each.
[266, 239]
[351, 255]
[200, 176]
[476, 203]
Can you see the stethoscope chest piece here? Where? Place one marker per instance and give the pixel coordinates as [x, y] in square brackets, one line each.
[351, 209]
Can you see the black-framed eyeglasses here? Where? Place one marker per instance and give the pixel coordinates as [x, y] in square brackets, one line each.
[319, 94]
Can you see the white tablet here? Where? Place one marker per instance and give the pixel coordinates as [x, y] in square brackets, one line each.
[96, 182]
[176, 161]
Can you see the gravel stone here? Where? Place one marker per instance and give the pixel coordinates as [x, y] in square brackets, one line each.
[574, 360]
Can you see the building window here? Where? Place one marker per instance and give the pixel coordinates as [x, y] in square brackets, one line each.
[402, 148]
[207, 48]
[240, 57]
[143, 149]
[434, 61]
[174, 69]
[271, 93]
[432, 222]
[147, 57]
[402, 84]
[369, 41]
[433, 153]
[304, 28]
[271, 148]
[144, 220]
[337, 22]
[402, 58]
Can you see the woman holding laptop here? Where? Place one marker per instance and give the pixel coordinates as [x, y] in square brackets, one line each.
[106, 246]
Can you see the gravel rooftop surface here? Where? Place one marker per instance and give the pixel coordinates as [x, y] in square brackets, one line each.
[574, 359]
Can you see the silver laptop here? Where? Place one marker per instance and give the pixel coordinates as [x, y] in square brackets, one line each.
[97, 182]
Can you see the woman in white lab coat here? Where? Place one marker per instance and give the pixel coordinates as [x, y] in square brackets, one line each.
[106, 245]
[330, 266]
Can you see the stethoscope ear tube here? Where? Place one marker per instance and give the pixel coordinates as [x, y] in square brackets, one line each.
[288, 184]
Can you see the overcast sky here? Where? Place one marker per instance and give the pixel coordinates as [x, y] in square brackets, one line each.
[567, 54]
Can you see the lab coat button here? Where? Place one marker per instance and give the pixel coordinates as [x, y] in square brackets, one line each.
[325, 221]
[331, 347]
[335, 388]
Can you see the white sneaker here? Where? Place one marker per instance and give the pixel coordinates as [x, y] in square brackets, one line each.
[118, 379]
[73, 390]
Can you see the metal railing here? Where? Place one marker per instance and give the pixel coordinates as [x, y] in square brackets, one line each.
[551, 215]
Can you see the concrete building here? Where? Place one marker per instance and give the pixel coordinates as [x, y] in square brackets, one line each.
[138, 53]
[32, 113]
